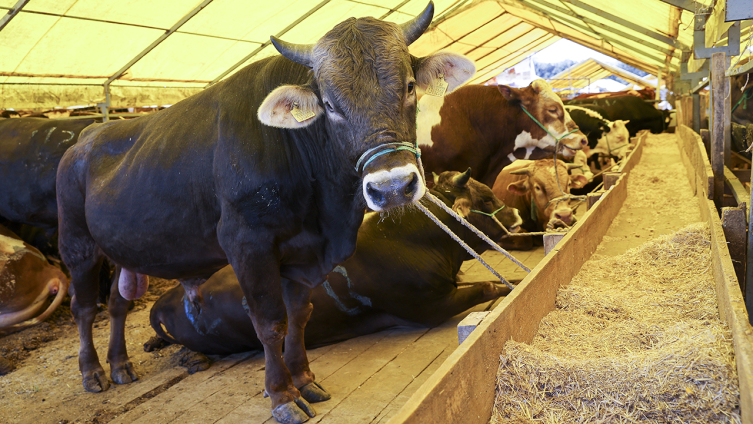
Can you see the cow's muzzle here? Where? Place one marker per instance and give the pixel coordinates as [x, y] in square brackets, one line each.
[398, 186]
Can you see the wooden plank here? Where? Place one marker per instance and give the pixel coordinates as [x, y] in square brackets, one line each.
[735, 232]
[610, 179]
[741, 195]
[729, 296]
[551, 240]
[592, 198]
[699, 170]
[462, 389]
[469, 323]
[720, 124]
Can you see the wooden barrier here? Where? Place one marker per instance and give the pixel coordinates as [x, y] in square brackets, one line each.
[462, 389]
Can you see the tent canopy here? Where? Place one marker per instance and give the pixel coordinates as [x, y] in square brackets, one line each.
[589, 71]
[57, 53]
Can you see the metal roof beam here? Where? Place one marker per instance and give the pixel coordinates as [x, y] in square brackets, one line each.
[590, 21]
[579, 26]
[268, 42]
[12, 13]
[627, 24]
[688, 5]
[156, 42]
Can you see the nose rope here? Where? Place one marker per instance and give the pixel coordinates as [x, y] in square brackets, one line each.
[489, 214]
[400, 146]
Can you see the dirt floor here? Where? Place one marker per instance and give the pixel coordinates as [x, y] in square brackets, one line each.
[44, 384]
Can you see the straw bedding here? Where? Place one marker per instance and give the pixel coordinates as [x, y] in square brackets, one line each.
[634, 337]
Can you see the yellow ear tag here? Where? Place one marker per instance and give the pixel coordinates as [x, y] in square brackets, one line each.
[301, 115]
[437, 87]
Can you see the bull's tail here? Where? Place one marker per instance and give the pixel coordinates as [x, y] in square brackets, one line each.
[156, 323]
[62, 292]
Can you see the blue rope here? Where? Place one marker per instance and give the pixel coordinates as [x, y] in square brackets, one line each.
[400, 146]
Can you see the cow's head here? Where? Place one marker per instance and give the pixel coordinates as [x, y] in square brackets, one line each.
[615, 139]
[469, 197]
[364, 87]
[548, 198]
[546, 107]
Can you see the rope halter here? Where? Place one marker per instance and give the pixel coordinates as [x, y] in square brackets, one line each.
[547, 131]
[386, 148]
[489, 214]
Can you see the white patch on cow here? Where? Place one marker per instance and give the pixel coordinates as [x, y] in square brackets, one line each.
[428, 117]
[524, 139]
[529, 151]
[518, 221]
[587, 111]
[384, 175]
[512, 157]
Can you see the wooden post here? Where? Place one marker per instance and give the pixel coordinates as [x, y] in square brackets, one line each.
[610, 179]
[469, 323]
[697, 113]
[720, 123]
[748, 292]
[734, 226]
[551, 240]
[592, 198]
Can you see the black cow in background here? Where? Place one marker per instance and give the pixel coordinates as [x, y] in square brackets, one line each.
[404, 272]
[269, 170]
[641, 114]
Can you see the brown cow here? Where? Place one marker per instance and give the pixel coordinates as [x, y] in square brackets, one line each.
[482, 126]
[531, 187]
[27, 280]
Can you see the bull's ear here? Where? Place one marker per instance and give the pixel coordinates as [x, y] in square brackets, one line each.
[511, 94]
[578, 181]
[455, 68]
[276, 109]
[462, 206]
[436, 177]
[518, 188]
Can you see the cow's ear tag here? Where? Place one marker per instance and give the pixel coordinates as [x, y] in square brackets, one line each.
[301, 115]
[437, 87]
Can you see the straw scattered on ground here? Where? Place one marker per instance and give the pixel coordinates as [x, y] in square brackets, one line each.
[636, 336]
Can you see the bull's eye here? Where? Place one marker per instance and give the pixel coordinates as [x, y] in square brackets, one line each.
[411, 87]
[329, 107]
[553, 111]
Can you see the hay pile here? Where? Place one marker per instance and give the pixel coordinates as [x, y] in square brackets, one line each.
[635, 337]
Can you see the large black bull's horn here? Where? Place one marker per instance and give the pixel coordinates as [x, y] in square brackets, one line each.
[303, 53]
[461, 180]
[416, 26]
[298, 53]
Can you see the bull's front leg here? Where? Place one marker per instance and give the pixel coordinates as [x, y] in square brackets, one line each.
[298, 303]
[258, 271]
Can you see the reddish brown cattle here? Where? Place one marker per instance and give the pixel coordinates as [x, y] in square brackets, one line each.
[644, 93]
[27, 280]
[481, 127]
[531, 187]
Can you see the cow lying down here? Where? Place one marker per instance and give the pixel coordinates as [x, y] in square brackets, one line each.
[531, 187]
[27, 281]
[404, 273]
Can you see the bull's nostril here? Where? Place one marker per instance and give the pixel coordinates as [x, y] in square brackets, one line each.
[412, 187]
[558, 216]
[376, 196]
[583, 141]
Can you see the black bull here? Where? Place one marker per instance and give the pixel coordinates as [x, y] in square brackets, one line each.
[404, 273]
[187, 190]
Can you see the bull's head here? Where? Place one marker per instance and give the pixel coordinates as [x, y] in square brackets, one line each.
[364, 85]
[547, 108]
[475, 201]
[548, 196]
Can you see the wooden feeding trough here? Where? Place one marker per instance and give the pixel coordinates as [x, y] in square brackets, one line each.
[463, 388]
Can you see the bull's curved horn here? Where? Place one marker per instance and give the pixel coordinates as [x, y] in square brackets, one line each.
[416, 26]
[298, 53]
[572, 166]
[436, 177]
[461, 180]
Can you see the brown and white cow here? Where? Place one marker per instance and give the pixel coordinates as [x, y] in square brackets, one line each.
[486, 128]
[27, 281]
[532, 188]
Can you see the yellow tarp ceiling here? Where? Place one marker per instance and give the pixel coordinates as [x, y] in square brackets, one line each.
[60, 52]
[589, 71]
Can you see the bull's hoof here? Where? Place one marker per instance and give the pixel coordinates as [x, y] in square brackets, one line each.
[294, 412]
[194, 361]
[123, 374]
[155, 343]
[96, 381]
[314, 393]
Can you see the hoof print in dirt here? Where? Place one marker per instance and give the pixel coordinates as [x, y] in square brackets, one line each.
[193, 361]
